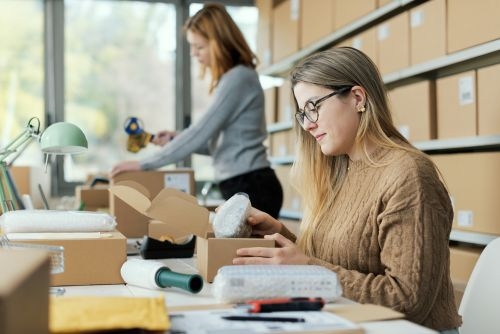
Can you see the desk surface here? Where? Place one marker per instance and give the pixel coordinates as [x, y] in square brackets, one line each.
[179, 298]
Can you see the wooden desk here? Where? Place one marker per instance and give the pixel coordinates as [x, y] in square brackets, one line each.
[176, 298]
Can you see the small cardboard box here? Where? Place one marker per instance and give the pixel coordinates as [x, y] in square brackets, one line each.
[184, 216]
[24, 291]
[93, 198]
[27, 180]
[91, 260]
[131, 222]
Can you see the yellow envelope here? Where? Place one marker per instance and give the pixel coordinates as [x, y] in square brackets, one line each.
[94, 313]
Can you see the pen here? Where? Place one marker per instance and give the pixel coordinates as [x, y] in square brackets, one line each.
[250, 318]
[282, 304]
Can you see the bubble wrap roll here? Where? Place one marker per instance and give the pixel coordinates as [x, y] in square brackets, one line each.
[237, 283]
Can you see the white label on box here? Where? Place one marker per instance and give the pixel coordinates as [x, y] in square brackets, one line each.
[466, 90]
[294, 10]
[405, 131]
[179, 181]
[282, 151]
[465, 218]
[417, 18]
[383, 32]
[357, 43]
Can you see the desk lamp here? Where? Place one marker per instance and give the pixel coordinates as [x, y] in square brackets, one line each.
[59, 138]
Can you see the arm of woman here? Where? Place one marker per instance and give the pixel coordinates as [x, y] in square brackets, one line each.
[197, 137]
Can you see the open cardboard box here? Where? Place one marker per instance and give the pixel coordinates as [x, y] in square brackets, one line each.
[183, 216]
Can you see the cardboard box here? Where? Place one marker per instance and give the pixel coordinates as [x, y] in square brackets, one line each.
[394, 34]
[24, 291]
[93, 198]
[271, 104]
[89, 261]
[282, 143]
[414, 110]
[365, 42]
[347, 11]
[131, 222]
[291, 198]
[264, 31]
[317, 20]
[286, 33]
[456, 105]
[286, 102]
[482, 15]
[184, 216]
[488, 101]
[472, 180]
[428, 31]
[27, 179]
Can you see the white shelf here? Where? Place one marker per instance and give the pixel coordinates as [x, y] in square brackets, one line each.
[384, 12]
[459, 144]
[472, 237]
[290, 214]
[286, 160]
[281, 126]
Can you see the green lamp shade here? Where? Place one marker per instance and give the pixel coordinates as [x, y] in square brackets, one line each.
[63, 138]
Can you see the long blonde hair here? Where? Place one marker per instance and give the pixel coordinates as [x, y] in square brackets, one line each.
[318, 177]
[227, 45]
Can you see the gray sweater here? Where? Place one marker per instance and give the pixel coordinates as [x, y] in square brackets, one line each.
[232, 130]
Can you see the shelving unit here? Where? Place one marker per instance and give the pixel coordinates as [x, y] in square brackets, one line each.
[471, 58]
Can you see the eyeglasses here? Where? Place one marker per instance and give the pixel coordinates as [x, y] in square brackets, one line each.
[310, 110]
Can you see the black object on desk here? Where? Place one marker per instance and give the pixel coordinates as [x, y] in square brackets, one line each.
[254, 318]
[155, 249]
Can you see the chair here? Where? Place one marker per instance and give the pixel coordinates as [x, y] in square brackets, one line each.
[480, 305]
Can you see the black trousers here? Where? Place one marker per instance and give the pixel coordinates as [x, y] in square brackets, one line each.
[262, 186]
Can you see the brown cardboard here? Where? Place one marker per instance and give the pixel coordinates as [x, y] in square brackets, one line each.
[471, 23]
[317, 20]
[131, 222]
[286, 102]
[428, 31]
[462, 261]
[93, 198]
[366, 42]
[271, 104]
[264, 31]
[90, 261]
[472, 180]
[456, 105]
[222, 251]
[347, 11]
[286, 33]
[180, 214]
[392, 35]
[414, 110]
[488, 101]
[24, 291]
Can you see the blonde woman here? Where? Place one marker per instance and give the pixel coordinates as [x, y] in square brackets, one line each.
[233, 128]
[376, 211]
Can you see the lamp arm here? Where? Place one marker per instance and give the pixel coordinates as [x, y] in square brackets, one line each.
[31, 131]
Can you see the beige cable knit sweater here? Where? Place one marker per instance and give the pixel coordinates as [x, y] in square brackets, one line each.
[387, 239]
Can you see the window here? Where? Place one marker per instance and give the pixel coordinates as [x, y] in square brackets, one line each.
[21, 73]
[119, 62]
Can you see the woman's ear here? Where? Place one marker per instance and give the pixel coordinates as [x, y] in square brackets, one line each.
[360, 97]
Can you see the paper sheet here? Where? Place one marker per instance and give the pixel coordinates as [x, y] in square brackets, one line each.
[211, 322]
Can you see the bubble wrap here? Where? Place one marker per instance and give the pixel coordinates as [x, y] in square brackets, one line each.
[231, 218]
[237, 283]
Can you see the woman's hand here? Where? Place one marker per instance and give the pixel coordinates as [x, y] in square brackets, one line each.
[163, 137]
[125, 166]
[285, 253]
[262, 223]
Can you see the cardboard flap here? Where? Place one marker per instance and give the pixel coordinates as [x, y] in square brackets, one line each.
[167, 192]
[131, 195]
[135, 185]
[363, 312]
[185, 215]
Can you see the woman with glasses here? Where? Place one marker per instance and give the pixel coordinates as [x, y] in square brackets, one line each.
[376, 211]
[233, 128]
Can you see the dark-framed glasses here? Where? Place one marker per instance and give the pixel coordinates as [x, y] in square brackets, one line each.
[310, 110]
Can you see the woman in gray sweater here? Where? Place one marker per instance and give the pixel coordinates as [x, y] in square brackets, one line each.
[233, 128]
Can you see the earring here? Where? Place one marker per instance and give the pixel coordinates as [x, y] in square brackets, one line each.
[361, 109]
